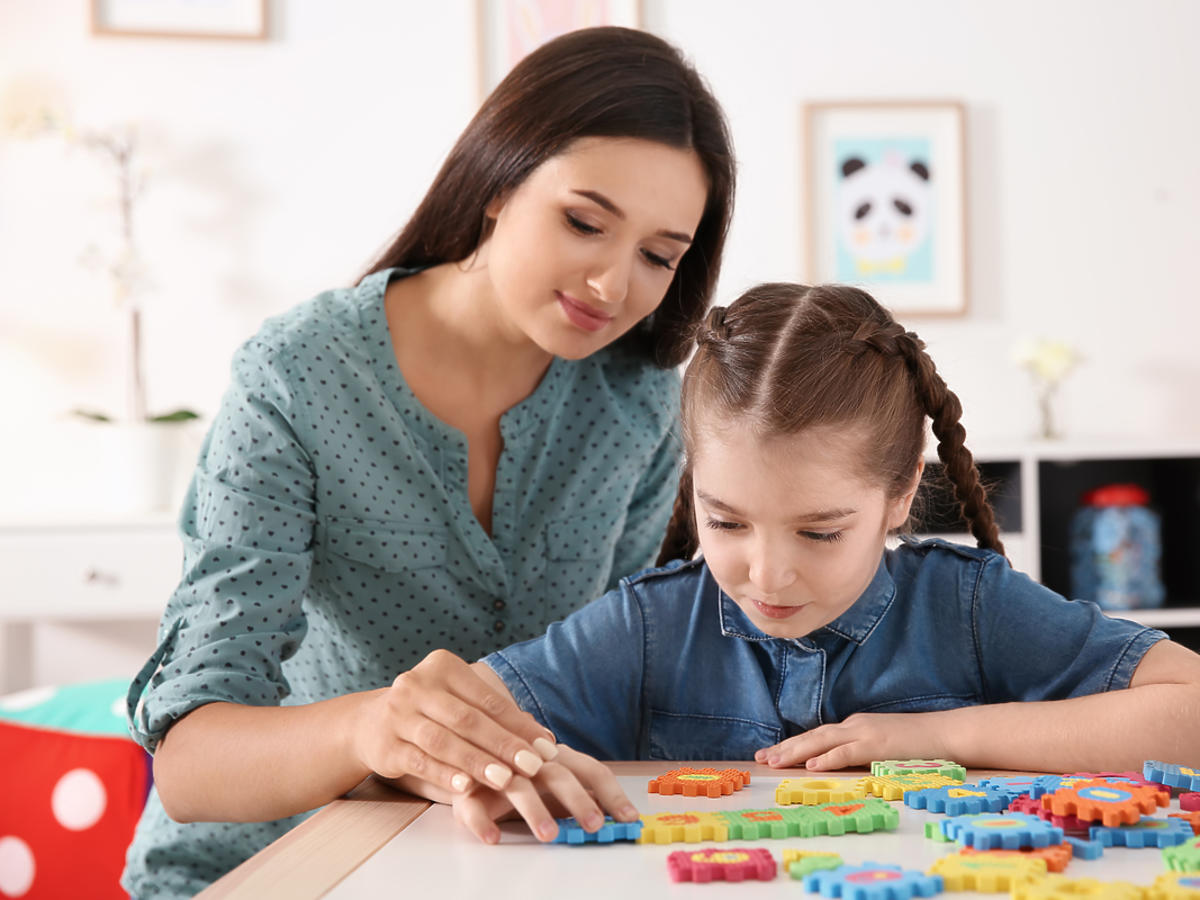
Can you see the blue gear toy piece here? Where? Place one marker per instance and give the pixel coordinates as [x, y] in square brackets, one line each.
[957, 800]
[1048, 784]
[1010, 787]
[571, 832]
[1148, 832]
[1172, 775]
[1011, 831]
[873, 881]
[1082, 849]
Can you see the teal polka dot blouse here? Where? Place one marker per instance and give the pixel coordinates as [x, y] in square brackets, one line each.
[329, 542]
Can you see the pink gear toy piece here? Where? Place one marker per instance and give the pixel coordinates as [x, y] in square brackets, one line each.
[728, 864]
[699, 782]
[1072, 825]
[1112, 803]
[1190, 801]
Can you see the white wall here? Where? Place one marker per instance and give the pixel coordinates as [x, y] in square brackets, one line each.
[278, 168]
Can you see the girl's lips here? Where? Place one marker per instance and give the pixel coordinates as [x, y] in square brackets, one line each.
[771, 611]
[581, 314]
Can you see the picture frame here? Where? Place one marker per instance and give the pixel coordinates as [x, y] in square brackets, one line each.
[213, 19]
[885, 204]
[506, 30]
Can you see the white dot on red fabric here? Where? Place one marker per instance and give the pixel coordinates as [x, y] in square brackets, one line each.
[79, 799]
[26, 699]
[16, 867]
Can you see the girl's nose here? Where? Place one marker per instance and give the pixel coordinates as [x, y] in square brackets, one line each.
[771, 571]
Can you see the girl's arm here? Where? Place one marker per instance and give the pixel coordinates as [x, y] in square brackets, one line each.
[573, 784]
[235, 763]
[1156, 717]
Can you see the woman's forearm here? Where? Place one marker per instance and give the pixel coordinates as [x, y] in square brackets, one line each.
[233, 763]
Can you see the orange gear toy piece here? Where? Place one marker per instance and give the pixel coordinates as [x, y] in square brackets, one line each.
[699, 782]
[1192, 817]
[1057, 856]
[1112, 803]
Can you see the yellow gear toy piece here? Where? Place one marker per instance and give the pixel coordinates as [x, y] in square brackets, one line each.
[1060, 887]
[987, 874]
[1175, 886]
[689, 827]
[814, 791]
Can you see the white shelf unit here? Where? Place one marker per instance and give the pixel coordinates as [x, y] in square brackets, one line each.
[1038, 485]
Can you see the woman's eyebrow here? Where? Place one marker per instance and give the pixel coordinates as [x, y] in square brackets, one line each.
[600, 200]
[824, 515]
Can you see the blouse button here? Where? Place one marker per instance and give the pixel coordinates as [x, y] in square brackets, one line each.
[498, 604]
[497, 626]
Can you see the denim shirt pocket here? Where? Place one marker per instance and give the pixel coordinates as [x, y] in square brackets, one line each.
[384, 546]
[684, 736]
[923, 703]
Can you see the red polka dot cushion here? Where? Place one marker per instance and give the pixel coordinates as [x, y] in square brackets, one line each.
[72, 788]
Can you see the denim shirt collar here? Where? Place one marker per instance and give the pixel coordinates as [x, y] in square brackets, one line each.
[855, 624]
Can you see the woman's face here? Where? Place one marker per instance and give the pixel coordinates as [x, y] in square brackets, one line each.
[787, 529]
[588, 244]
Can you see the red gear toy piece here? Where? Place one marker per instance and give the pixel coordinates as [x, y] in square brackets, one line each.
[728, 864]
[699, 782]
[1190, 801]
[1112, 803]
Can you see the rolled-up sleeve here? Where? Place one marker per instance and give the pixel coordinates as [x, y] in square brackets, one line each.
[583, 678]
[247, 527]
[1033, 644]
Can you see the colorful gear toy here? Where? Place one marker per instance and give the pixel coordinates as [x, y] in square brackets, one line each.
[726, 864]
[1011, 831]
[893, 787]
[750, 824]
[959, 800]
[1183, 857]
[1112, 803]
[699, 782]
[811, 791]
[1192, 818]
[1175, 886]
[986, 872]
[1172, 775]
[1056, 856]
[1072, 825]
[861, 816]
[687, 827]
[1148, 832]
[1189, 802]
[919, 767]
[873, 881]
[801, 863]
[1060, 887]
[571, 832]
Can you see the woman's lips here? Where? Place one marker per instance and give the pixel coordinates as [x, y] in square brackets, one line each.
[771, 611]
[581, 314]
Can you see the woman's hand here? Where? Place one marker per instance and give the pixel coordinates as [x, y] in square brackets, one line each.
[442, 723]
[573, 784]
[860, 740]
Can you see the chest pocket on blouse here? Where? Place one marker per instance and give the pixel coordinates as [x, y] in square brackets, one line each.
[681, 736]
[579, 554]
[385, 546]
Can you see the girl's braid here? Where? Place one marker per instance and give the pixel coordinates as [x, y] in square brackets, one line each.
[681, 541]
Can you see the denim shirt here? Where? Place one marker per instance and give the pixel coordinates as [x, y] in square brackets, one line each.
[667, 666]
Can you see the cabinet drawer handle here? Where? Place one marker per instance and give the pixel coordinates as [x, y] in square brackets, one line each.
[95, 576]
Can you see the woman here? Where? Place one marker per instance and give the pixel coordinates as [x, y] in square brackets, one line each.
[472, 442]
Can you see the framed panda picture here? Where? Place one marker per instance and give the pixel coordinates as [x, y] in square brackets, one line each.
[885, 202]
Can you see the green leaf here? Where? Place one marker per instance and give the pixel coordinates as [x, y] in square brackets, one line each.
[91, 415]
[179, 415]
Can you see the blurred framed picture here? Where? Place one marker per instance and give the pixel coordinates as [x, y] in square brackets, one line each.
[885, 204]
[222, 19]
[508, 29]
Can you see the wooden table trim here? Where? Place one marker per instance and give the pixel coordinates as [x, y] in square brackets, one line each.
[313, 857]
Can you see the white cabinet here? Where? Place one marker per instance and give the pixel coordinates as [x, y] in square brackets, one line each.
[1036, 488]
[96, 588]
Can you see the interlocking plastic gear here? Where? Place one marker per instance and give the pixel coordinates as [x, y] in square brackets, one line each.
[686, 827]
[1172, 775]
[699, 782]
[919, 767]
[1112, 803]
[860, 816]
[1011, 786]
[1192, 818]
[958, 800]
[984, 872]
[893, 787]
[800, 863]
[571, 832]
[1056, 856]
[1189, 802]
[1085, 849]
[1072, 825]
[1149, 832]
[935, 832]
[1060, 887]
[1183, 857]
[1010, 831]
[1175, 886]
[751, 824]
[873, 881]
[721, 864]
[811, 791]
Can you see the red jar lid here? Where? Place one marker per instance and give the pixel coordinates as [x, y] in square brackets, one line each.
[1117, 495]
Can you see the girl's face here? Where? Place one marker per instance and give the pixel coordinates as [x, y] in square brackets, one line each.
[788, 530]
[588, 244]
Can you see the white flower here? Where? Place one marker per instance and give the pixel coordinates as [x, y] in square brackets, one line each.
[1047, 360]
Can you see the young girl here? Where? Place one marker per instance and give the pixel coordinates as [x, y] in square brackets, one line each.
[467, 445]
[797, 638]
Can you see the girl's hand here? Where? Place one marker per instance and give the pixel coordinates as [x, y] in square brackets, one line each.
[442, 723]
[573, 784]
[860, 740]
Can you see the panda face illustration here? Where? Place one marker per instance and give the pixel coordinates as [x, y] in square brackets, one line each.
[884, 209]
